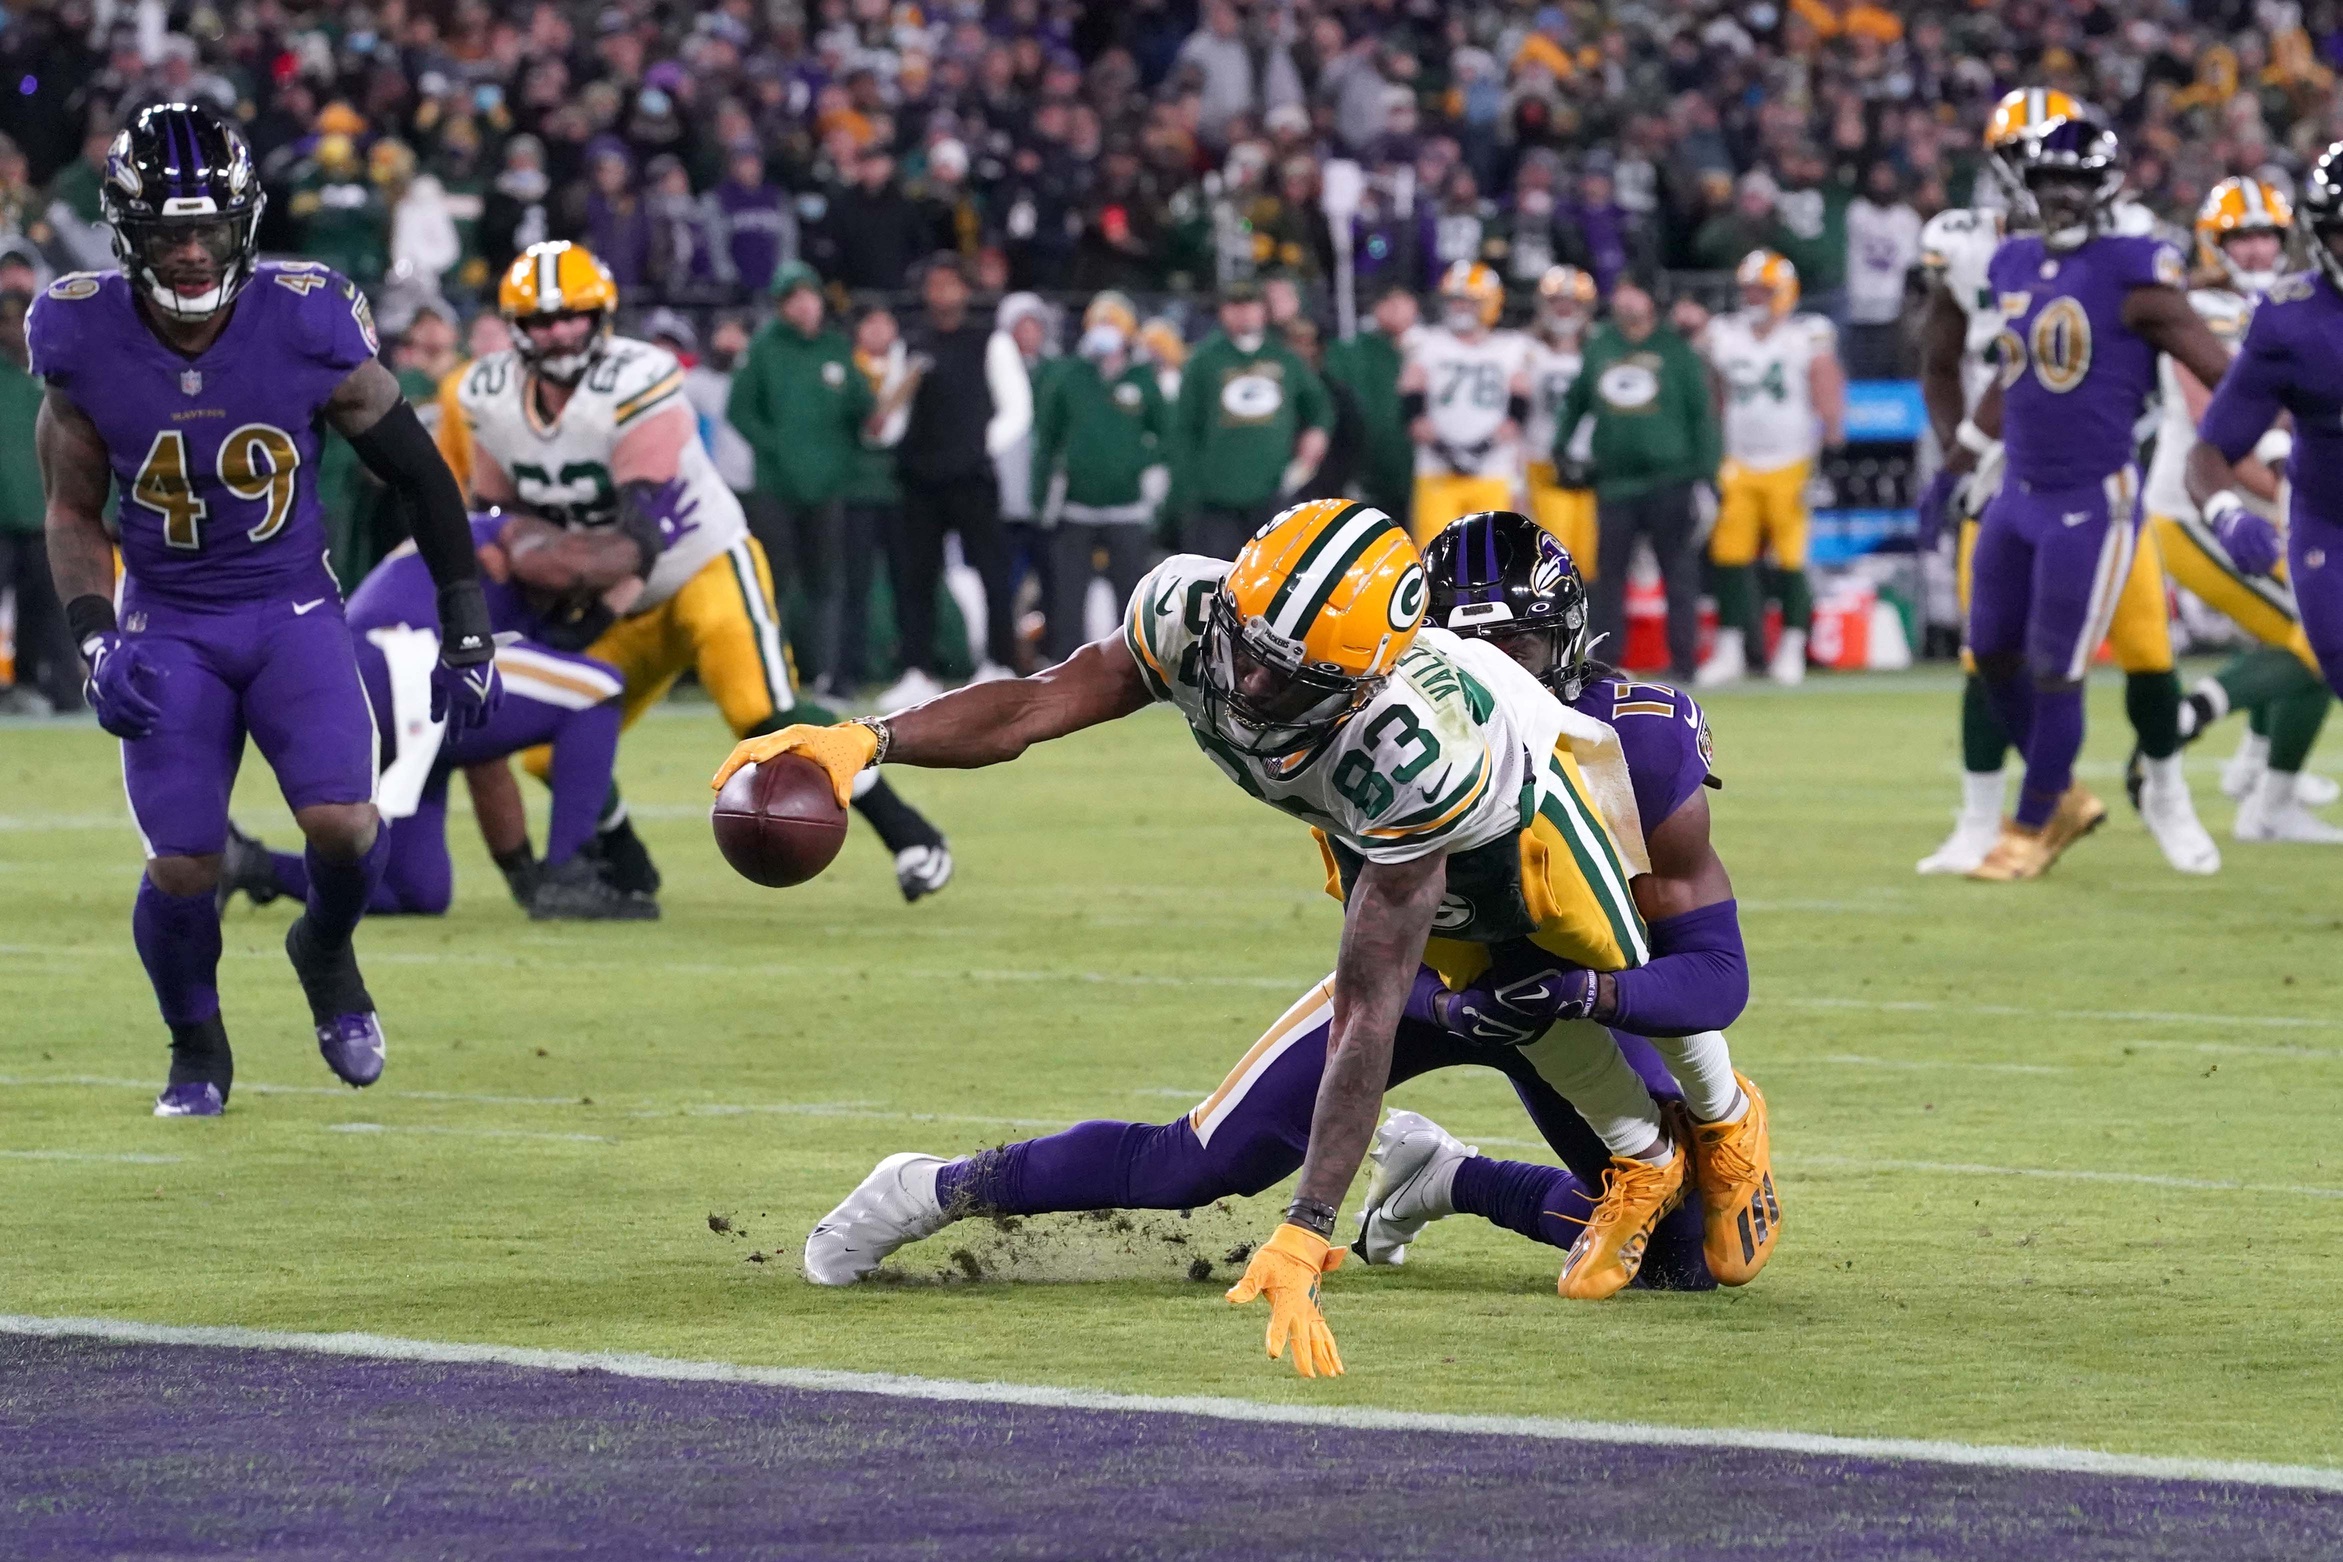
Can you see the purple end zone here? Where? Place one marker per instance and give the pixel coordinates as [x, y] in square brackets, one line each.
[113, 1450]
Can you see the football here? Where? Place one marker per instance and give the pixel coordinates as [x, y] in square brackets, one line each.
[779, 823]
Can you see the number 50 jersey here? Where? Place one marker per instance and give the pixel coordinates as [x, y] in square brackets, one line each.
[1460, 752]
[2074, 378]
[564, 471]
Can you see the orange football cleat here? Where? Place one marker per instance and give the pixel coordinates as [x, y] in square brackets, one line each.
[1733, 1167]
[2019, 854]
[1637, 1195]
[2078, 814]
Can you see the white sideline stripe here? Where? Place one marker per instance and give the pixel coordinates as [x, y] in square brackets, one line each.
[2055, 1460]
[2232, 1049]
[826, 1109]
[2011, 1011]
[2064, 1174]
[466, 1133]
[1850, 1060]
[253, 1087]
[92, 1155]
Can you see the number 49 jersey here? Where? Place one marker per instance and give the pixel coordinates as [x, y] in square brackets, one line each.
[564, 471]
[1460, 752]
[215, 455]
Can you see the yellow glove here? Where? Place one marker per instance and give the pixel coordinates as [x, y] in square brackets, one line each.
[845, 751]
[1286, 1269]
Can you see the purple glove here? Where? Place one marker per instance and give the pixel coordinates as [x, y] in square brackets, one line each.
[2249, 539]
[120, 673]
[657, 518]
[465, 697]
[1934, 506]
[1514, 1001]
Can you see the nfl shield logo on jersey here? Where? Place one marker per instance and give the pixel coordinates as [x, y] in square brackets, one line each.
[191, 382]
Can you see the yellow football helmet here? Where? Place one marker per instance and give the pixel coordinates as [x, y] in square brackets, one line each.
[2018, 112]
[1767, 281]
[1162, 342]
[552, 281]
[1316, 611]
[1566, 293]
[1115, 309]
[2240, 206]
[1469, 284]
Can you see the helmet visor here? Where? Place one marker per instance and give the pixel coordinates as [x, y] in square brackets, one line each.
[1259, 696]
[188, 255]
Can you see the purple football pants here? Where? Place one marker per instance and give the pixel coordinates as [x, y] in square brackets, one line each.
[285, 677]
[1252, 1133]
[2314, 566]
[2044, 581]
[418, 878]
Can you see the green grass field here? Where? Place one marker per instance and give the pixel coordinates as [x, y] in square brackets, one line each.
[2058, 1161]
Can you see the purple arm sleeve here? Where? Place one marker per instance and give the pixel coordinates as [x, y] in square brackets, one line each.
[2245, 403]
[1697, 978]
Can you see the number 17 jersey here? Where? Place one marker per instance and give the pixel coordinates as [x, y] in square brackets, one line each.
[216, 454]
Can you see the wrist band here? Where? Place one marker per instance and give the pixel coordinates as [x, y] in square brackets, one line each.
[878, 729]
[1972, 438]
[1312, 1216]
[88, 615]
[2222, 503]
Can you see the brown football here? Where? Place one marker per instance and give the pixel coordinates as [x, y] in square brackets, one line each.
[779, 823]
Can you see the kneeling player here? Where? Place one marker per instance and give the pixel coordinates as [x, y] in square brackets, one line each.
[554, 697]
[1496, 577]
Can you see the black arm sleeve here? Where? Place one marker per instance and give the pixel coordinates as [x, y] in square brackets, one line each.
[398, 449]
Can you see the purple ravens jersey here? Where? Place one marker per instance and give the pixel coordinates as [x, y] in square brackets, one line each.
[2074, 378]
[2291, 361]
[400, 590]
[1665, 737]
[215, 456]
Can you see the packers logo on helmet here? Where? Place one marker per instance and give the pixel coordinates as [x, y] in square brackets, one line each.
[1768, 281]
[2232, 209]
[552, 282]
[1316, 611]
[1471, 294]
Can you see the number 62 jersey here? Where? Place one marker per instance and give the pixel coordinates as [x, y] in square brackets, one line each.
[1460, 752]
[215, 455]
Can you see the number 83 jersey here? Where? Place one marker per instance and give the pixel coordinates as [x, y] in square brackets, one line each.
[2074, 378]
[1460, 752]
[215, 455]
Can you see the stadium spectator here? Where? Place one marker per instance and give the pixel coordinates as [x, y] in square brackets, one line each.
[1251, 424]
[1367, 367]
[47, 674]
[873, 500]
[1237, 75]
[753, 220]
[83, 241]
[874, 232]
[1883, 245]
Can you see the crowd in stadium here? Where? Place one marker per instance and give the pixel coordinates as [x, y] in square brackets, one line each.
[1165, 150]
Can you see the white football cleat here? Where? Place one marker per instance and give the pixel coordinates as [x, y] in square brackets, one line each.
[1972, 837]
[922, 870]
[2241, 770]
[913, 688]
[2274, 812]
[2171, 817]
[1727, 662]
[1415, 1162]
[894, 1205]
[1788, 667]
[2313, 790]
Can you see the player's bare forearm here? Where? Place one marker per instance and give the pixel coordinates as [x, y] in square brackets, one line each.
[1987, 417]
[1944, 333]
[991, 723]
[74, 478]
[2162, 317]
[2208, 471]
[1385, 925]
[1686, 872]
[1829, 385]
[2256, 479]
[553, 558]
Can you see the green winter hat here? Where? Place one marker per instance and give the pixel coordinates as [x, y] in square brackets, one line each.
[792, 275]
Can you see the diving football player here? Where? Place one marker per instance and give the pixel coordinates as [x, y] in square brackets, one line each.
[2292, 362]
[2085, 311]
[581, 427]
[1444, 784]
[199, 380]
[1961, 323]
[1501, 578]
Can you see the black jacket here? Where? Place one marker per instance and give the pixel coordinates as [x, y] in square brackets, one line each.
[944, 441]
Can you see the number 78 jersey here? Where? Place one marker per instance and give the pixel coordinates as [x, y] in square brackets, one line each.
[1460, 752]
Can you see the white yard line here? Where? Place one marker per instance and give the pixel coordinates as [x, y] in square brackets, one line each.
[2069, 1461]
[92, 1155]
[2061, 1174]
[465, 1133]
[1851, 1060]
[2011, 1011]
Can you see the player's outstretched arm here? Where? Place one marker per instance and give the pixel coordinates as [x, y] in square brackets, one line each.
[1943, 337]
[2162, 317]
[983, 724]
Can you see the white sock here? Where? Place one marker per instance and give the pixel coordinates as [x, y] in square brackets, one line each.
[1581, 1061]
[1703, 1065]
[864, 780]
[2210, 690]
[2254, 749]
[1728, 643]
[2165, 772]
[1982, 792]
[2274, 792]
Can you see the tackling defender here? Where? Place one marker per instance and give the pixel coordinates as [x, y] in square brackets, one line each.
[1444, 784]
[1500, 578]
[1464, 395]
[2085, 312]
[1784, 393]
[2292, 362]
[588, 429]
[2241, 233]
[1959, 328]
[199, 379]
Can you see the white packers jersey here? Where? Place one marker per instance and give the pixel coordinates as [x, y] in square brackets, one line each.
[563, 472]
[2166, 493]
[1770, 421]
[1956, 246]
[1467, 387]
[1552, 371]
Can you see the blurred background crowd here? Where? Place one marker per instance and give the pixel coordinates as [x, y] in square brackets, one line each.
[1166, 149]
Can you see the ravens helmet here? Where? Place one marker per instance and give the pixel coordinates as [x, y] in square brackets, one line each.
[1500, 576]
[2070, 170]
[2322, 212]
[177, 173]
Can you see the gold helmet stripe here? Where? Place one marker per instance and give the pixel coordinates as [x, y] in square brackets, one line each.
[1322, 566]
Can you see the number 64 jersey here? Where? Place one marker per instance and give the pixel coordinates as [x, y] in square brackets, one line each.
[1460, 752]
[630, 401]
[215, 455]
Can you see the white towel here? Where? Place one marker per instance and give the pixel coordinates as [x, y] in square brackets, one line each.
[409, 655]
